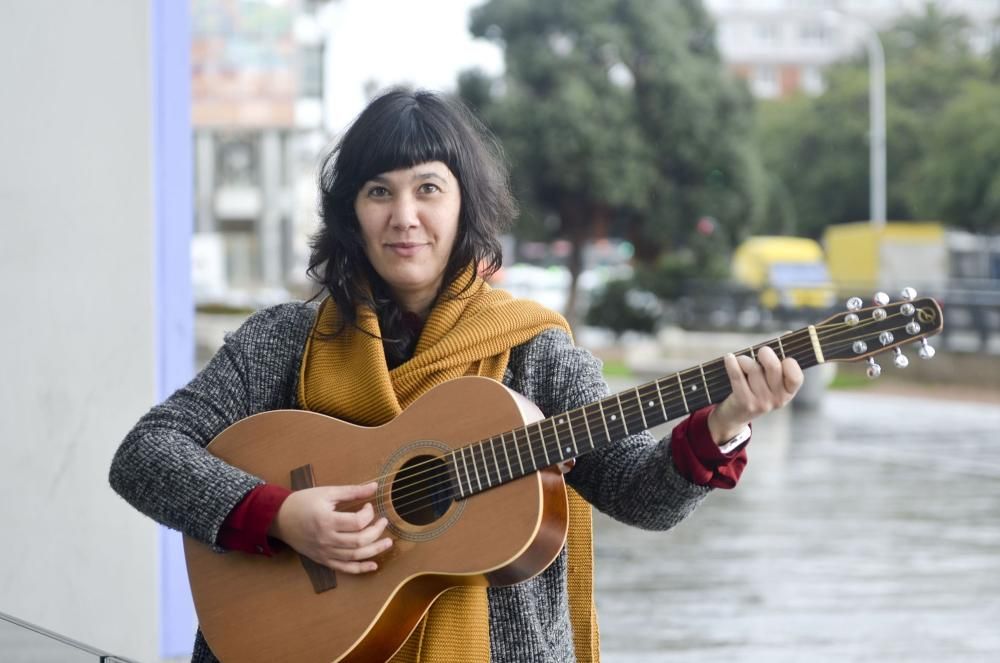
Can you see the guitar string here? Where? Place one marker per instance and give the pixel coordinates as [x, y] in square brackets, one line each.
[419, 497]
[674, 399]
[441, 476]
[437, 462]
[423, 497]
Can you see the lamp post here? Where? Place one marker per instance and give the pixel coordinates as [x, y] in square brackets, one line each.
[876, 131]
[876, 120]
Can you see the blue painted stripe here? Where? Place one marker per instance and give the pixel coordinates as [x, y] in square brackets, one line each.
[170, 39]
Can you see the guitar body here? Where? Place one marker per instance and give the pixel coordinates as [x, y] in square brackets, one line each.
[265, 609]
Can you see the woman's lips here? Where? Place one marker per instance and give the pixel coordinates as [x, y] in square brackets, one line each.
[405, 249]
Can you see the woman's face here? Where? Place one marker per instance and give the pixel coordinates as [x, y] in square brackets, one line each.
[409, 219]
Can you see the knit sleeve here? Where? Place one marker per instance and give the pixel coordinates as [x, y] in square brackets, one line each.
[633, 480]
[162, 468]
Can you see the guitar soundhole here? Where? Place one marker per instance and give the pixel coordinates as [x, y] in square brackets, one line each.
[421, 492]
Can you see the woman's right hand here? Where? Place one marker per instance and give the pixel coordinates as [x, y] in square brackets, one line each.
[309, 522]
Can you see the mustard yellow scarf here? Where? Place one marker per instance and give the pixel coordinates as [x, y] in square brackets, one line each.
[468, 333]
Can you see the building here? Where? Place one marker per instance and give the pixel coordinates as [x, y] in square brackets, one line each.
[782, 46]
[257, 114]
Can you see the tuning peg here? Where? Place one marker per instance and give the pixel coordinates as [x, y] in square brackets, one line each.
[926, 350]
[908, 293]
[881, 298]
[854, 304]
[900, 359]
[874, 370]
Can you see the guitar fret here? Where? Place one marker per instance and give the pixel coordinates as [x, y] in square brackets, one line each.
[680, 385]
[468, 479]
[647, 391]
[604, 420]
[458, 478]
[753, 355]
[517, 448]
[622, 411]
[572, 435]
[503, 445]
[586, 422]
[781, 347]
[642, 410]
[541, 435]
[555, 429]
[708, 394]
[496, 463]
[475, 468]
[530, 449]
[486, 466]
[564, 451]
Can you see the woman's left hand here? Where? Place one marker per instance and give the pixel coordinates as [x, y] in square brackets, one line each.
[758, 387]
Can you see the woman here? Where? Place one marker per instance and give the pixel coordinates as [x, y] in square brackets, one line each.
[413, 200]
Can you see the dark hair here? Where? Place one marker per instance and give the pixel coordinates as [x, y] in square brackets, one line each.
[400, 129]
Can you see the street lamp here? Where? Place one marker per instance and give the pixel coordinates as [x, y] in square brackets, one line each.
[876, 119]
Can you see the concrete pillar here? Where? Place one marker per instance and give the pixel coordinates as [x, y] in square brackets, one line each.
[269, 230]
[204, 154]
[77, 343]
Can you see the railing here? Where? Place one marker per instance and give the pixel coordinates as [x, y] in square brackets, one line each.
[971, 308]
[21, 642]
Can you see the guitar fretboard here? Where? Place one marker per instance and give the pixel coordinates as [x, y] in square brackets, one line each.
[519, 452]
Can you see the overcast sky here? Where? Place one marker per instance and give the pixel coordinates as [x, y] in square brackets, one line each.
[425, 44]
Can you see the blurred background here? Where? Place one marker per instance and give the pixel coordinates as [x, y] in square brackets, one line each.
[695, 177]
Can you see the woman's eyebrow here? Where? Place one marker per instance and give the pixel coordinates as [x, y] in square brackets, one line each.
[430, 175]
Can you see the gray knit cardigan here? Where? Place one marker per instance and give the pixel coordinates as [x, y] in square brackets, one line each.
[163, 470]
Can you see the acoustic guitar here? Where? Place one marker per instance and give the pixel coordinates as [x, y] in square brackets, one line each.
[467, 480]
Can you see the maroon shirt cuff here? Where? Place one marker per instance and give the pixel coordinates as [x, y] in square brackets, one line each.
[698, 458]
[245, 528]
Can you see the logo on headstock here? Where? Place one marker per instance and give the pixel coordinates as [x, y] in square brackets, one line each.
[926, 314]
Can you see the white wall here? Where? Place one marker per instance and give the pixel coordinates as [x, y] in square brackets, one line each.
[76, 317]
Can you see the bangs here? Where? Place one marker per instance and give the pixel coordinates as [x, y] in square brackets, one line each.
[402, 140]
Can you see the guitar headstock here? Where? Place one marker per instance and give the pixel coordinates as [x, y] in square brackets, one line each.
[864, 331]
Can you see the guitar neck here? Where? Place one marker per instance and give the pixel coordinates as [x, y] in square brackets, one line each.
[516, 453]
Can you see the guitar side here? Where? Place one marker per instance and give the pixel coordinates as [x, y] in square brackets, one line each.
[260, 609]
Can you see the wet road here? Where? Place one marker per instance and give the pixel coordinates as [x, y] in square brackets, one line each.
[869, 531]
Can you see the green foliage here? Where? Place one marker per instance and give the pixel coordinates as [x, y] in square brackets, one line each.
[673, 273]
[618, 114]
[620, 308]
[963, 178]
[938, 116]
[616, 368]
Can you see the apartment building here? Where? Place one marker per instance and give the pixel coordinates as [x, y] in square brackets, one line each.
[782, 46]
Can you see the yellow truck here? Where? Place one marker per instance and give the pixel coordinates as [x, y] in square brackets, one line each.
[789, 272]
[864, 258]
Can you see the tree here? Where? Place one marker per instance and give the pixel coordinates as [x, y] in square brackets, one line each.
[816, 149]
[617, 113]
[963, 179]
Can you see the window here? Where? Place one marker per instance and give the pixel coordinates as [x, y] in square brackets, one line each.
[236, 160]
[813, 33]
[311, 72]
[768, 33]
[812, 80]
[765, 81]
